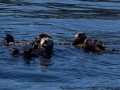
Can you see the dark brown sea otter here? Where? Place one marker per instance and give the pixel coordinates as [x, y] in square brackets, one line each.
[43, 45]
[96, 46]
[45, 41]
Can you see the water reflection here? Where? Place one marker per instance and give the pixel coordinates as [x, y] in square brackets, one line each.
[45, 62]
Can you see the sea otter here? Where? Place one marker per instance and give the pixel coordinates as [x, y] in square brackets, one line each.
[43, 45]
[96, 46]
[81, 40]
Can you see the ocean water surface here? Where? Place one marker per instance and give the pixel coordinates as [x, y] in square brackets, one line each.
[69, 68]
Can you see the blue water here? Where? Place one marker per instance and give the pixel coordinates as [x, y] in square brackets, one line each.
[69, 68]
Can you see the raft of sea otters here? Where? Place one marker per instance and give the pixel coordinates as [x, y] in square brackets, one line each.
[43, 45]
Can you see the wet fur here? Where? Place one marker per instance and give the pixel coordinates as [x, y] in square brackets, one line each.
[79, 38]
[41, 46]
[96, 46]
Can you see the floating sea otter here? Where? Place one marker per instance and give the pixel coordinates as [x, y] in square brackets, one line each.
[44, 40]
[97, 46]
[43, 45]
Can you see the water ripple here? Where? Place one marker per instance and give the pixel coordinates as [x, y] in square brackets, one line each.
[59, 10]
[70, 67]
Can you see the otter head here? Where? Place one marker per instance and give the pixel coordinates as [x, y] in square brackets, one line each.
[79, 38]
[42, 35]
[47, 43]
[9, 38]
